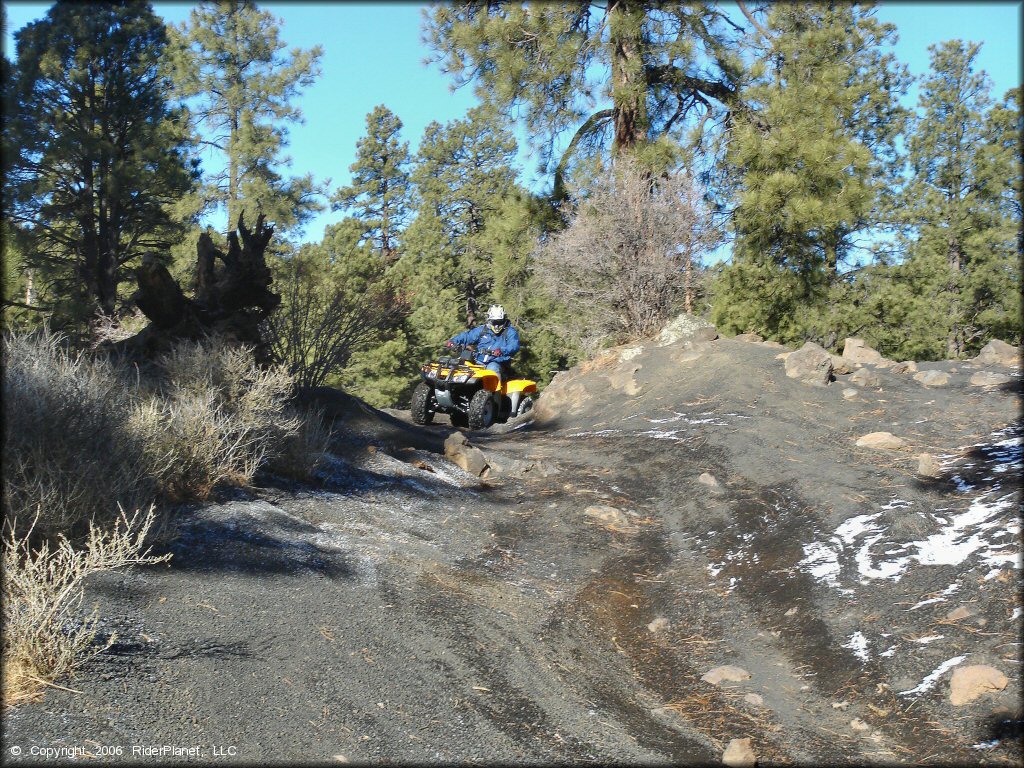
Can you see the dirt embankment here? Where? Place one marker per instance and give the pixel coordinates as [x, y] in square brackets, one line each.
[671, 511]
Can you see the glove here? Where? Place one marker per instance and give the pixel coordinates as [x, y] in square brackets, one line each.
[495, 352]
[449, 343]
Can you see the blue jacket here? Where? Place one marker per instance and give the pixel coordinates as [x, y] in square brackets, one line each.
[507, 342]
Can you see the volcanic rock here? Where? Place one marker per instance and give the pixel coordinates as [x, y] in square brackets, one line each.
[739, 754]
[932, 378]
[998, 352]
[458, 450]
[885, 441]
[810, 364]
[856, 351]
[969, 683]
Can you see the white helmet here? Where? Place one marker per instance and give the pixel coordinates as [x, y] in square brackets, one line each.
[496, 318]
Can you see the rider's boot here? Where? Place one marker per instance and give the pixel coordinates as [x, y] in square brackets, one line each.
[515, 397]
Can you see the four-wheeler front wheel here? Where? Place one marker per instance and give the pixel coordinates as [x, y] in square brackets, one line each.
[421, 410]
[481, 410]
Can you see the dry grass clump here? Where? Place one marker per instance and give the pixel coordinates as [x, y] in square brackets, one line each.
[45, 635]
[67, 449]
[213, 417]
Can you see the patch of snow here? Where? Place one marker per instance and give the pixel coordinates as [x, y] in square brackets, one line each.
[715, 568]
[933, 678]
[986, 744]
[1016, 614]
[859, 645]
[930, 638]
[888, 653]
[987, 530]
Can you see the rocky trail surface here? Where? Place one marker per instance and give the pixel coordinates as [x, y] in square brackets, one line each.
[682, 556]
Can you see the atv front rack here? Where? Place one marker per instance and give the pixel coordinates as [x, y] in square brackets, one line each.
[445, 369]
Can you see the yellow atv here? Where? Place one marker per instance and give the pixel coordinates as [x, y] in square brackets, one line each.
[472, 395]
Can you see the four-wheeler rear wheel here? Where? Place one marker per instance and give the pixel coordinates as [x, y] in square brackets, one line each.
[481, 410]
[421, 410]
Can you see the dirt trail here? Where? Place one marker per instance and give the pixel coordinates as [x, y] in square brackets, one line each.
[405, 612]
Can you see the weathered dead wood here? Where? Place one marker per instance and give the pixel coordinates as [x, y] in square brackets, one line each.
[230, 300]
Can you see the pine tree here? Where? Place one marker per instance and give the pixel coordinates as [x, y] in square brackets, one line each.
[463, 172]
[813, 172]
[101, 157]
[641, 71]
[230, 62]
[380, 193]
[961, 207]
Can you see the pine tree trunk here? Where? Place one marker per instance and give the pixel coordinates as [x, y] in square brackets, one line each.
[629, 92]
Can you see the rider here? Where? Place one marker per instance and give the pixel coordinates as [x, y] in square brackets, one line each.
[496, 341]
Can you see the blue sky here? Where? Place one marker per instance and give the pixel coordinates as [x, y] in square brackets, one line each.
[373, 54]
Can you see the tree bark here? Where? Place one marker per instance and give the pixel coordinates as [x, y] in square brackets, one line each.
[629, 87]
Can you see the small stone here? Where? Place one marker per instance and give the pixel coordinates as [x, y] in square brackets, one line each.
[859, 725]
[932, 378]
[928, 466]
[841, 705]
[906, 366]
[659, 624]
[608, 515]
[792, 611]
[754, 699]
[739, 754]
[706, 478]
[850, 393]
[865, 377]
[726, 673]
[885, 441]
[989, 379]
[458, 450]
[970, 683]
[749, 337]
[959, 614]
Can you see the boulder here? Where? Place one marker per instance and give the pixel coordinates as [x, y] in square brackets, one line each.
[856, 351]
[865, 377]
[726, 673]
[974, 681]
[686, 327]
[810, 364]
[754, 699]
[998, 352]
[749, 337]
[739, 754]
[989, 379]
[928, 466]
[850, 393]
[458, 450]
[906, 366]
[841, 366]
[884, 441]
[932, 378]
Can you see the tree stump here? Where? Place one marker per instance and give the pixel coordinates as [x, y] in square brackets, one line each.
[231, 302]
